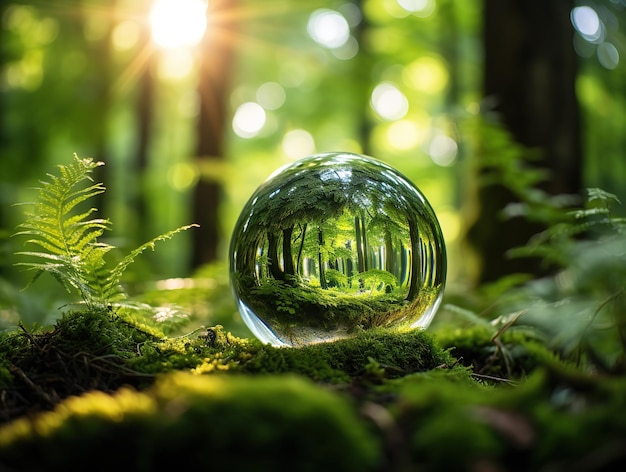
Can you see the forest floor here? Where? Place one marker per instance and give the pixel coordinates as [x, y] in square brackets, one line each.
[110, 392]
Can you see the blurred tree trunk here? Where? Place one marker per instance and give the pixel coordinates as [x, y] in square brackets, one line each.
[5, 190]
[216, 61]
[145, 117]
[363, 88]
[529, 74]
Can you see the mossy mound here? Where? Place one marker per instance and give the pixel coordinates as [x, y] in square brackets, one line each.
[554, 420]
[382, 401]
[191, 422]
[101, 351]
[511, 354]
[85, 351]
[435, 420]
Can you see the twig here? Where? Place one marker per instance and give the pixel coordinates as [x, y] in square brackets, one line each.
[496, 339]
[35, 388]
[491, 377]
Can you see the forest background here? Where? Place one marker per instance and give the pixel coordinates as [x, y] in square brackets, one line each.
[468, 99]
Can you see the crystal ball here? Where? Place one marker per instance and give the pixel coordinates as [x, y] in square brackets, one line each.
[334, 244]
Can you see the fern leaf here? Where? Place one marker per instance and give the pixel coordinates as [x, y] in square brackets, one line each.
[61, 259]
[43, 243]
[73, 199]
[87, 234]
[79, 219]
[57, 271]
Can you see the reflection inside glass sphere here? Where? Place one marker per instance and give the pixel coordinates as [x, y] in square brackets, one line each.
[334, 244]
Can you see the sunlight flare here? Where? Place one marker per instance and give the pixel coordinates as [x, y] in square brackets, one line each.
[178, 23]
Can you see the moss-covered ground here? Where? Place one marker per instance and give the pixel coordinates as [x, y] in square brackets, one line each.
[100, 391]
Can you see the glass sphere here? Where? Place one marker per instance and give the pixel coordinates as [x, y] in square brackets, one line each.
[334, 244]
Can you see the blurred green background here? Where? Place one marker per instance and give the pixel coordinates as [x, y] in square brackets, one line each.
[193, 104]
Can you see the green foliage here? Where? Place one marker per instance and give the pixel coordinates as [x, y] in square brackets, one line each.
[501, 353]
[562, 238]
[71, 252]
[68, 240]
[582, 309]
[335, 278]
[579, 313]
[374, 277]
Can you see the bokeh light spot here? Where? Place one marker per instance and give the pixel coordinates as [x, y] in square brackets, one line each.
[419, 8]
[328, 28]
[125, 35]
[348, 50]
[351, 13]
[608, 55]
[389, 102]
[442, 150]
[182, 176]
[249, 120]
[587, 23]
[426, 74]
[298, 143]
[271, 95]
[403, 134]
[389, 7]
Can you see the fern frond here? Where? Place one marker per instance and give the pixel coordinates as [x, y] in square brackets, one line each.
[599, 194]
[71, 252]
[66, 238]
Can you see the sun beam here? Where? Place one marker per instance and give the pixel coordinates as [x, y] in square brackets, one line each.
[178, 23]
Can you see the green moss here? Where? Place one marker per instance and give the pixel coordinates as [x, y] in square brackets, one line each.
[96, 331]
[85, 350]
[511, 354]
[399, 353]
[98, 350]
[553, 419]
[187, 422]
[383, 400]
